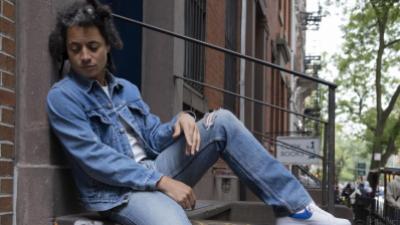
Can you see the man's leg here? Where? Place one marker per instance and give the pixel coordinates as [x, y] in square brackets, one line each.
[148, 208]
[222, 134]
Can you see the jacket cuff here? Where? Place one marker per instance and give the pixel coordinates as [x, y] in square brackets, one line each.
[152, 180]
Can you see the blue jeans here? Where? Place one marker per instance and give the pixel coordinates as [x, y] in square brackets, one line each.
[222, 135]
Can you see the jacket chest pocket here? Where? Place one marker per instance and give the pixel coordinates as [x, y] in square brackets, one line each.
[138, 113]
[102, 125]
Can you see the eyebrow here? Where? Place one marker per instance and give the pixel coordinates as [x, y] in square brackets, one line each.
[89, 42]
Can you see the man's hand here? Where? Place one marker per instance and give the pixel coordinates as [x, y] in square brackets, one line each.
[178, 191]
[187, 124]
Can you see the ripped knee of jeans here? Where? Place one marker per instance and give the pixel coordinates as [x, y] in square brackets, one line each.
[209, 119]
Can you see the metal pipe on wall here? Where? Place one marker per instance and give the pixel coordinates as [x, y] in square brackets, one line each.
[293, 80]
[331, 149]
[243, 27]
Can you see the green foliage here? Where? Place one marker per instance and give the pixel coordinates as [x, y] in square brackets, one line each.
[357, 62]
[369, 65]
[349, 151]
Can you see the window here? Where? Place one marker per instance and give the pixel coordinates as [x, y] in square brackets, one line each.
[195, 17]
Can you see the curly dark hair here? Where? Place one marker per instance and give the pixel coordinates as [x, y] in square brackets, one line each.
[83, 13]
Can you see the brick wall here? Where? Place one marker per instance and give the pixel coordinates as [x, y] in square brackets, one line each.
[214, 65]
[7, 108]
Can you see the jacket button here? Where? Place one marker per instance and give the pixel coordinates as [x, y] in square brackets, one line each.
[122, 130]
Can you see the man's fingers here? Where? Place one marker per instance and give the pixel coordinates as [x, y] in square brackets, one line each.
[183, 203]
[191, 199]
[194, 140]
[191, 132]
[188, 201]
[188, 131]
[198, 140]
[187, 149]
[188, 137]
[187, 204]
[177, 130]
[194, 198]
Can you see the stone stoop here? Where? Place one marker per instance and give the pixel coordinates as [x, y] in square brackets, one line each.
[208, 213]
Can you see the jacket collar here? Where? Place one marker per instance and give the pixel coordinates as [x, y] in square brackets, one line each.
[87, 83]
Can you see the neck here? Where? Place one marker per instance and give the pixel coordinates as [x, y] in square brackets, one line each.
[101, 78]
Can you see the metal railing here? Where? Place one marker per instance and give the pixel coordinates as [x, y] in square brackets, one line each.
[304, 171]
[328, 158]
[374, 208]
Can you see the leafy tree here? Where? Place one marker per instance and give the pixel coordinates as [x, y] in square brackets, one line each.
[369, 75]
[346, 161]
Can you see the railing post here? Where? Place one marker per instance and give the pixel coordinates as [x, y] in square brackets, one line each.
[324, 166]
[331, 149]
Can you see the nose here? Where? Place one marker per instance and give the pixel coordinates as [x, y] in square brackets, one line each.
[85, 56]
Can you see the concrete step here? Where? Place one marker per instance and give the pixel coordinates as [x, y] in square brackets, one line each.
[208, 213]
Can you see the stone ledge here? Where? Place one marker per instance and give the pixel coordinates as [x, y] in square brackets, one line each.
[205, 213]
[208, 213]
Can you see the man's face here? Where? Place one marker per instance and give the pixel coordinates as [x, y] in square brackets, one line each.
[87, 51]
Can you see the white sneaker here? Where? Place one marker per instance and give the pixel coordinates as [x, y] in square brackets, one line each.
[312, 215]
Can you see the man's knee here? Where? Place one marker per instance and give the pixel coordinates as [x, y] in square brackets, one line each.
[218, 117]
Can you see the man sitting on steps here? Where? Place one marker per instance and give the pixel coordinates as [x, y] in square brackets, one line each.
[130, 167]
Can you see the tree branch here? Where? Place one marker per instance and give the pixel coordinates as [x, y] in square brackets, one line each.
[391, 145]
[391, 105]
[390, 43]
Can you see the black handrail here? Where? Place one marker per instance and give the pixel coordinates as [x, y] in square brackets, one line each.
[249, 99]
[312, 176]
[288, 146]
[225, 50]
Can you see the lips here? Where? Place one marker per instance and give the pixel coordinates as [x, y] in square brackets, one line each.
[88, 67]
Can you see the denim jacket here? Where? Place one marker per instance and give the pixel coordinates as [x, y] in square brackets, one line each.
[85, 121]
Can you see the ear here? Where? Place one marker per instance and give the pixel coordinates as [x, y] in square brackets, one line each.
[108, 48]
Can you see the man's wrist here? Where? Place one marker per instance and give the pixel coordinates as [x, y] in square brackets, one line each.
[158, 184]
[191, 113]
[163, 183]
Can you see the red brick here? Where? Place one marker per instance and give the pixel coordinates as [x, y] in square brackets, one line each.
[6, 133]
[6, 168]
[7, 116]
[6, 219]
[214, 61]
[8, 46]
[6, 186]
[5, 204]
[7, 98]
[7, 63]
[8, 81]
[7, 151]
[7, 27]
[8, 10]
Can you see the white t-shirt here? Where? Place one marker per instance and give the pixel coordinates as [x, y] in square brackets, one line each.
[137, 150]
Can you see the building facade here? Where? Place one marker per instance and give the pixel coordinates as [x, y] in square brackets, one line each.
[35, 182]
[7, 109]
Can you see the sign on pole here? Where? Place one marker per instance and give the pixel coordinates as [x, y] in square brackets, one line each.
[288, 150]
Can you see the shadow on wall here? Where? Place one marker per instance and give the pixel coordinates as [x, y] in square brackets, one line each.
[67, 198]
